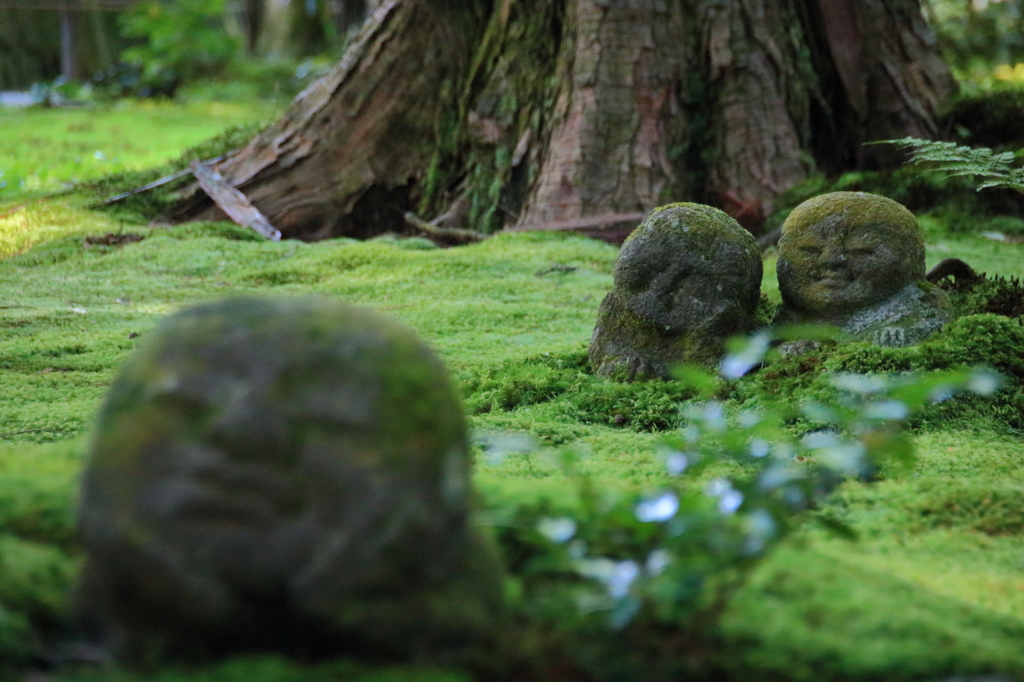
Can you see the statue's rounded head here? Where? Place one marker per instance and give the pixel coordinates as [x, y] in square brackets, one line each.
[844, 251]
[690, 268]
[283, 383]
[293, 451]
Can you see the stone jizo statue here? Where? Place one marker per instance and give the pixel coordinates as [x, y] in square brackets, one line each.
[856, 261]
[686, 280]
[289, 475]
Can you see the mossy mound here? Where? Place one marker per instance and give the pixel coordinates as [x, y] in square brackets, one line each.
[563, 381]
[988, 294]
[37, 548]
[986, 340]
[564, 384]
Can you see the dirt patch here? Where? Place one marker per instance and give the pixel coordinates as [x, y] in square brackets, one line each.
[113, 239]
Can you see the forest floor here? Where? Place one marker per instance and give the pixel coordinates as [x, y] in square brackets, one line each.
[932, 587]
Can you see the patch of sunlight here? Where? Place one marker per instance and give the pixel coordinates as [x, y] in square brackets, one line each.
[1009, 73]
[22, 226]
[970, 567]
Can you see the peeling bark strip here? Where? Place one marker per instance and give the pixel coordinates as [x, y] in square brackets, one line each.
[502, 113]
[233, 202]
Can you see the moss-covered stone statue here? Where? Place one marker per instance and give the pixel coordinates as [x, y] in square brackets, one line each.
[288, 475]
[686, 280]
[856, 261]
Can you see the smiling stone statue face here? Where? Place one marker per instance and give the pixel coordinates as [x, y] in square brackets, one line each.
[281, 474]
[846, 250]
[856, 260]
[686, 279]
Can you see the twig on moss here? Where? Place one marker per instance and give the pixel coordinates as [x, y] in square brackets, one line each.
[450, 235]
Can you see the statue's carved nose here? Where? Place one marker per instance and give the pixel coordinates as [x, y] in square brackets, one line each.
[834, 256]
[247, 428]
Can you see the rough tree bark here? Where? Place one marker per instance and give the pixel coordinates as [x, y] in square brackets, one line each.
[495, 113]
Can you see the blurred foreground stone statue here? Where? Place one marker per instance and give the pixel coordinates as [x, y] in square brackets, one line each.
[287, 475]
[686, 280]
[856, 261]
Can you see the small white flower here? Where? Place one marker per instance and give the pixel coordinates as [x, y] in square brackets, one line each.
[621, 578]
[657, 562]
[713, 416]
[658, 509]
[737, 364]
[864, 384]
[749, 418]
[676, 462]
[616, 576]
[887, 409]
[760, 528]
[498, 446]
[759, 448]
[983, 382]
[729, 499]
[557, 530]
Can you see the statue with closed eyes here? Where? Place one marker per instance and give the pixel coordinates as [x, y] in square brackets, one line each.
[856, 261]
[286, 475]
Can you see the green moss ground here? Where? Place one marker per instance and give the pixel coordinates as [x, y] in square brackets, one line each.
[933, 586]
[42, 149]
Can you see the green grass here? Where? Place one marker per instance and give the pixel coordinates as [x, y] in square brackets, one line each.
[932, 587]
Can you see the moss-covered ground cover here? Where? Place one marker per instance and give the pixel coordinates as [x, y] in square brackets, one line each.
[43, 150]
[931, 586]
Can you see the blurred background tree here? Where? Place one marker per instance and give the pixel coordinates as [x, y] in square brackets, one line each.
[165, 40]
[31, 39]
[175, 41]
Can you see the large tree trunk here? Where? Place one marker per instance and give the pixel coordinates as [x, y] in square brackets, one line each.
[526, 112]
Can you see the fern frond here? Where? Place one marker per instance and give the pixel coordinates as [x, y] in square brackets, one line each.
[953, 160]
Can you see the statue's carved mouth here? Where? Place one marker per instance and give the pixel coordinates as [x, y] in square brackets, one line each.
[834, 281]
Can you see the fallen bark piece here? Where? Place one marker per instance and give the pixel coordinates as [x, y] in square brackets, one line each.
[233, 202]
